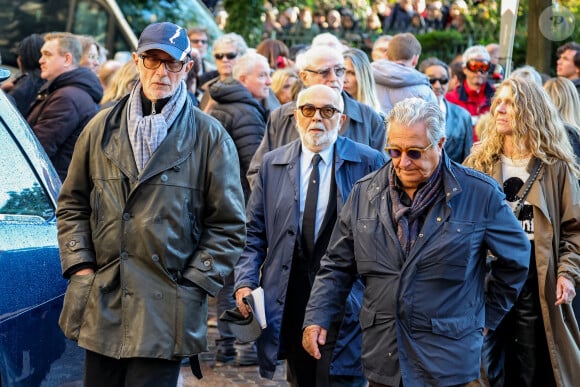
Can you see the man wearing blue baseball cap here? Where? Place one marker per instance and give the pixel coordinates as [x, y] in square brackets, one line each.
[150, 219]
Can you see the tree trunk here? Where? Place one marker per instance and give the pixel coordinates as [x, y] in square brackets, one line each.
[539, 48]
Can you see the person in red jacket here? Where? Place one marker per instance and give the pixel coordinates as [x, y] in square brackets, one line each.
[475, 93]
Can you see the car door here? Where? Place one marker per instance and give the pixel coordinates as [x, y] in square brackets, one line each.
[31, 284]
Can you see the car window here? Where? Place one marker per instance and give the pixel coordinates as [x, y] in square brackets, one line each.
[22, 197]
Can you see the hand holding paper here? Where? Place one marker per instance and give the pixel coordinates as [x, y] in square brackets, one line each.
[259, 308]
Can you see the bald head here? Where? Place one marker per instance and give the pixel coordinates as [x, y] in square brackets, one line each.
[332, 97]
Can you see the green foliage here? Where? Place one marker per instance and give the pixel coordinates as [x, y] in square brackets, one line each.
[245, 19]
[185, 13]
[444, 45]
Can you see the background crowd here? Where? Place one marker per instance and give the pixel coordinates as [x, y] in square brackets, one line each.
[496, 124]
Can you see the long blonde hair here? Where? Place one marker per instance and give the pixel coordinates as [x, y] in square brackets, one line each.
[564, 95]
[367, 89]
[121, 83]
[537, 126]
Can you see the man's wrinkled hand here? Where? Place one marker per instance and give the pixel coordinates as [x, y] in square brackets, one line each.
[312, 337]
[565, 291]
[240, 294]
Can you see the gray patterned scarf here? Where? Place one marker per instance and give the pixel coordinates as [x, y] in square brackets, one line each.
[146, 133]
[408, 219]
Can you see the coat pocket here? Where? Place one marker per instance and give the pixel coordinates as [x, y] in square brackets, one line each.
[379, 344]
[455, 327]
[75, 301]
[191, 321]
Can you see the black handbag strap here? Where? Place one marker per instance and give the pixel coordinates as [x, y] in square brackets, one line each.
[533, 176]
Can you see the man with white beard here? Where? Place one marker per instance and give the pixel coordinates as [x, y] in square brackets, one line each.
[297, 194]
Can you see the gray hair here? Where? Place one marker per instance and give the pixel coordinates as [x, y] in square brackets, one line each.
[327, 39]
[414, 110]
[382, 38]
[475, 52]
[246, 63]
[310, 56]
[232, 38]
[529, 73]
[424, 65]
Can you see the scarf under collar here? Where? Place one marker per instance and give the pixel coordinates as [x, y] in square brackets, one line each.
[408, 219]
[147, 133]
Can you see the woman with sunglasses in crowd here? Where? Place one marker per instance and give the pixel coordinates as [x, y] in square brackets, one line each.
[475, 93]
[226, 49]
[458, 128]
[537, 342]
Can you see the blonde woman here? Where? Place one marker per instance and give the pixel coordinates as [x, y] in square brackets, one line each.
[358, 78]
[282, 82]
[564, 95]
[537, 343]
[121, 84]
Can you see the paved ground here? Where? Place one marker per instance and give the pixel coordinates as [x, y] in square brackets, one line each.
[218, 375]
[214, 375]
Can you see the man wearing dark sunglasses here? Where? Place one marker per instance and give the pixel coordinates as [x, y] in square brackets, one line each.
[321, 65]
[418, 231]
[476, 92]
[287, 237]
[458, 131]
[199, 40]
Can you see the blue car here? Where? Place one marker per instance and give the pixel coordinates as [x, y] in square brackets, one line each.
[33, 350]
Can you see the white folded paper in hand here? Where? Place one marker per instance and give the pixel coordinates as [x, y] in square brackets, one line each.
[259, 308]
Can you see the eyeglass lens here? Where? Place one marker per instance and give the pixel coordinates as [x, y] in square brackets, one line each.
[412, 153]
[198, 41]
[153, 63]
[229, 55]
[338, 71]
[477, 65]
[325, 111]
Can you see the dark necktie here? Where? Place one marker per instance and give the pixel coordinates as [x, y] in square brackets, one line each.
[309, 218]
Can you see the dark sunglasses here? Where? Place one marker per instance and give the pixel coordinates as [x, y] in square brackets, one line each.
[477, 65]
[229, 55]
[413, 153]
[442, 81]
[324, 73]
[326, 112]
[198, 41]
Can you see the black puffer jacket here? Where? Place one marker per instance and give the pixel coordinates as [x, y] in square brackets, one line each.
[244, 118]
[61, 110]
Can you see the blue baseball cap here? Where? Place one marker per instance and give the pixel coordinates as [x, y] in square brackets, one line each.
[167, 37]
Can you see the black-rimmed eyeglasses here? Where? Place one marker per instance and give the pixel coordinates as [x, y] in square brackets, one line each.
[412, 152]
[324, 73]
[153, 63]
[326, 112]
